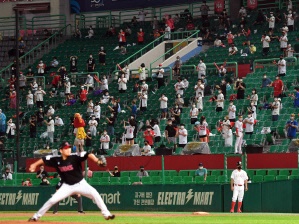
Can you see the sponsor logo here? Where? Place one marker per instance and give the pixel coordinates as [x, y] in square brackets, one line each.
[111, 198]
[15, 198]
[183, 198]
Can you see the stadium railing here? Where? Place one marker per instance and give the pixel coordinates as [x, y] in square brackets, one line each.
[268, 63]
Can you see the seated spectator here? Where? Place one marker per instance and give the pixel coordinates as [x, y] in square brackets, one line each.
[45, 181]
[58, 121]
[53, 64]
[7, 175]
[201, 171]
[218, 43]
[27, 182]
[259, 19]
[142, 173]
[90, 33]
[252, 49]
[232, 50]
[146, 150]
[42, 173]
[110, 32]
[89, 83]
[78, 33]
[115, 173]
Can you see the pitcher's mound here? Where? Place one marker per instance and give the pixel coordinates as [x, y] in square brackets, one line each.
[201, 213]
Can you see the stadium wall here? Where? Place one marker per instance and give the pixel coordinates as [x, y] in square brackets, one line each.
[279, 196]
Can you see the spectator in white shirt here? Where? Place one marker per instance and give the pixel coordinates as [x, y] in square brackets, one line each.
[219, 101]
[50, 129]
[167, 32]
[97, 111]
[290, 20]
[160, 76]
[186, 83]
[50, 111]
[142, 101]
[105, 140]
[157, 131]
[254, 97]
[271, 21]
[90, 33]
[67, 85]
[193, 114]
[29, 98]
[282, 66]
[163, 106]
[232, 50]
[122, 84]
[11, 129]
[227, 132]
[252, 110]
[201, 128]
[199, 88]
[93, 126]
[90, 106]
[129, 132]
[283, 41]
[104, 83]
[144, 87]
[7, 174]
[105, 98]
[275, 109]
[179, 87]
[183, 136]
[249, 122]
[146, 150]
[126, 71]
[58, 121]
[201, 68]
[242, 12]
[239, 135]
[218, 42]
[39, 97]
[266, 44]
[289, 51]
[232, 111]
[34, 87]
[89, 83]
[199, 101]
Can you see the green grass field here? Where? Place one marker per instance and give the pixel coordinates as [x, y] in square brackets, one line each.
[156, 218]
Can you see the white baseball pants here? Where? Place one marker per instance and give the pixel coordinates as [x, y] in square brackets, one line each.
[66, 190]
[238, 144]
[238, 193]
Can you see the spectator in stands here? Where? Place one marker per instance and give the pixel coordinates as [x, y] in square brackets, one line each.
[50, 128]
[41, 67]
[232, 50]
[291, 126]
[283, 41]
[146, 150]
[63, 75]
[176, 112]
[13, 100]
[266, 81]
[180, 102]
[193, 114]
[241, 86]
[285, 28]
[102, 56]
[201, 68]
[53, 64]
[259, 19]
[275, 109]
[142, 101]
[50, 111]
[282, 66]
[142, 14]
[176, 69]
[266, 44]
[90, 33]
[179, 86]
[218, 42]
[11, 127]
[219, 101]
[114, 107]
[67, 86]
[39, 97]
[163, 106]
[93, 126]
[104, 84]
[41, 173]
[176, 18]
[134, 21]
[201, 171]
[204, 8]
[186, 83]
[290, 20]
[223, 87]
[40, 116]
[242, 12]
[170, 132]
[97, 111]
[232, 111]
[295, 97]
[199, 102]
[90, 64]
[239, 135]
[227, 132]
[221, 69]
[140, 36]
[77, 33]
[142, 173]
[122, 84]
[230, 38]
[128, 31]
[201, 128]
[149, 135]
[289, 5]
[90, 106]
[22, 81]
[29, 74]
[105, 141]
[156, 130]
[141, 72]
[167, 32]
[160, 76]
[252, 109]
[277, 84]
[7, 175]
[271, 21]
[110, 32]
[183, 136]
[129, 133]
[199, 88]
[121, 38]
[289, 52]
[253, 98]
[58, 121]
[249, 123]
[110, 124]
[115, 173]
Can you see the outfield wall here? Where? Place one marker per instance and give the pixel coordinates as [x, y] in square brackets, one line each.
[278, 196]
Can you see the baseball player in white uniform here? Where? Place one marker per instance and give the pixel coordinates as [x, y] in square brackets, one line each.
[238, 183]
[68, 165]
[239, 135]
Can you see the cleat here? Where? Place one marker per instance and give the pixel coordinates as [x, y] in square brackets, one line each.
[32, 219]
[81, 212]
[239, 211]
[231, 211]
[110, 217]
[54, 213]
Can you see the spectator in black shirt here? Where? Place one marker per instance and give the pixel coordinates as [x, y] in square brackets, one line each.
[90, 63]
[32, 126]
[110, 127]
[240, 89]
[42, 173]
[40, 116]
[170, 132]
[73, 64]
[223, 88]
[115, 173]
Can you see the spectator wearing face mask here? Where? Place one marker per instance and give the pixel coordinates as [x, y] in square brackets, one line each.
[199, 88]
[115, 173]
[50, 111]
[239, 135]
[90, 33]
[89, 83]
[253, 98]
[41, 173]
[90, 64]
[291, 127]
[271, 21]
[241, 86]
[199, 102]
[41, 67]
[50, 128]
[73, 64]
[11, 129]
[142, 173]
[58, 121]
[249, 122]
[179, 101]
[290, 20]
[232, 111]
[277, 85]
[93, 126]
[40, 116]
[105, 140]
[201, 68]
[32, 126]
[219, 101]
[201, 171]
[163, 106]
[122, 84]
[176, 112]
[176, 69]
[183, 136]
[265, 81]
[39, 97]
[102, 56]
[193, 114]
[266, 44]
[83, 95]
[275, 109]
[105, 98]
[282, 66]
[149, 135]
[227, 132]
[160, 76]
[7, 174]
[146, 150]
[170, 132]
[179, 86]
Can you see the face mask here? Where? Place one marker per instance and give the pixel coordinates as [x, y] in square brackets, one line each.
[39, 88]
[241, 80]
[50, 107]
[112, 115]
[253, 91]
[281, 58]
[277, 78]
[292, 118]
[193, 106]
[29, 70]
[265, 77]
[249, 116]
[219, 92]
[115, 168]
[169, 123]
[90, 56]
[93, 118]
[231, 104]
[176, 107]
[240, 119]
[141, 170]
[239, 167]
[179, 96]
[200, 167]
[148, 129]
[143, 83]
[105, 133]
[182, 127]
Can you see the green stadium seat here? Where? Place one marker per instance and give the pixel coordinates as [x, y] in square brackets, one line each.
[104, 181]
[281, 177]
[184, 173]
[106, 174]
[258, 178]
[215, 173]
[125, 173]
[124, 180]
[156, 180]
[211, 179]
[250, 173]
[133, 173]
[284, 172]
[222, 179]
[114, 181]
[97, 174]
[188, 180]
[272, 172]
[269, 178]
[260, 172]
[134, 179]
[178, 180]
[154, 173]
[168, 180]
[171, 173]
[293, 177]
[295, 172]
[146, 180]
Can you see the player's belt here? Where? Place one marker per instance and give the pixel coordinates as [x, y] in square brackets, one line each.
[239, 185]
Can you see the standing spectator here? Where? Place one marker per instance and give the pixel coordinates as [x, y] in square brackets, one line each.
[167, 32]
[232, 50]
[50, 111]
[290, 5]
[110, 125]
[242, 12]
[53, 64]
[105, 141]
[201, 68]
[170, 132]
[143, 101]
[129, 134]
[249, 122]
[183, 136]
[104, 84]
[204, 10]
[22, 81]
[163, 106]
[223, 87]
[50, 128]
[140, 36]
[266, 44]
[283, 41]
[149, 135]
[90, 108]
[239, 135]
[142, 14]
[160, 76]
[176, 112]
[122, 84]
[90, 33]
[221, 70]
[2, 123]
[201, 128]
[157, 131]
[227, 132]
[121, 39]
[11, 129]
[67, 86]
[114, 107]
[97, 111]
[105, 98]
[193, 114]
[126, 71]
[7, 175]
[278, 86]
[199, 102]
[295, 97]
[73, 64]
[186, 83]
[40, 116]
[290, 20]
[289, 52]
[241, 86]
[32, 126]
[179, 86]
[271, 21]
[291, 127]
[13, 100]
[179, 101]
[90, 64]
[144, 87]
[230, 38]
[252, 110]
[128, 31]
[254, 97]
[232, 111]
[176, 69]
[201, 171]
[39, 97]
[102, 56]
[83, 95]
[142, 72]
[93, 126]
[41, 67]
[41, 173]
[282, 66]
[275, 109]
[266, 81]
[219, 101]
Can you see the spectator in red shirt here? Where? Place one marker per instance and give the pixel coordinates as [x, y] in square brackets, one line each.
[140, 36]
[121, 38]
[230, 38]
[55, 81]
[278, 86]
[149, 135]
[170, 23]
[83, 95]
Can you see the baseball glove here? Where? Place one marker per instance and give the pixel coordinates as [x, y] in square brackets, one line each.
[102, 161]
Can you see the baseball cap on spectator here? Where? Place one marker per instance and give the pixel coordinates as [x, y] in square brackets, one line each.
[200, 164]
